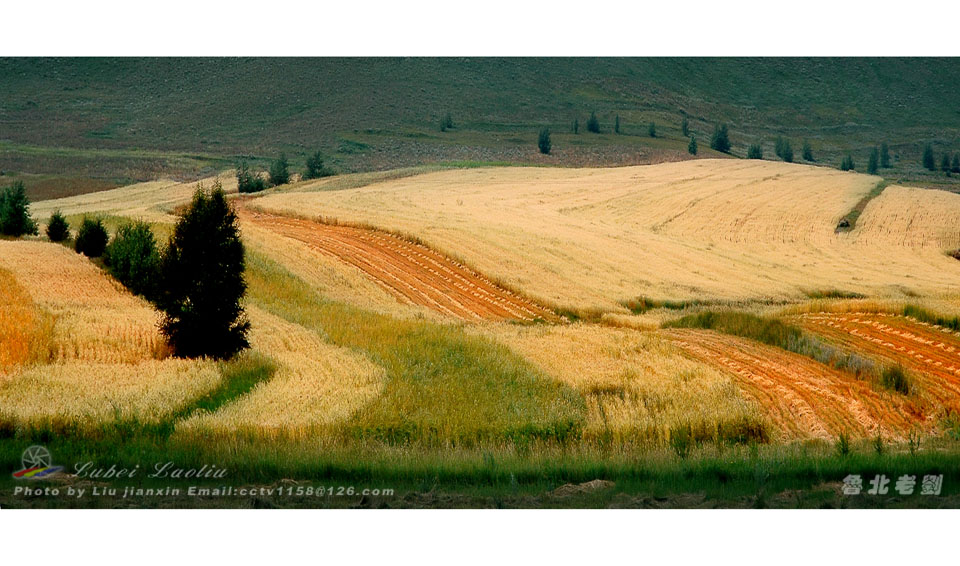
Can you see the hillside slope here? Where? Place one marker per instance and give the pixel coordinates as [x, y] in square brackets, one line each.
[161, 116]
[706, 229]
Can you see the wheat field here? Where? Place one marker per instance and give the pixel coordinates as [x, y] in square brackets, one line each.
[100, 346]
[153, 201]
[316, 384]
[702, 229]
[638, 386]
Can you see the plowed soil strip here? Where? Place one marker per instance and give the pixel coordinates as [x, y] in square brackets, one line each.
[802, 398]
[930, 353]
[411, 272]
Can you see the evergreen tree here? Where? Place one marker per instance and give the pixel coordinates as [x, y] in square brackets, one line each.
[202, 280]
[721, 139]
[91, 238]
[543, 141]
[616, 125]
[576, 125]
[652, 130]
[685, 127]
[787, 152]
[955, 166]
[692, 146]
[884, 156]
[928, 160]
[448, 122]
[247, 181]
[15, 212]
[133, 259]
[315, 168]
[57, 228]
[778, 146]
[807, 152]
[847, 163]
[945, 164]
[755, 151]
[874, 163]
[280, 171]
[593, 125]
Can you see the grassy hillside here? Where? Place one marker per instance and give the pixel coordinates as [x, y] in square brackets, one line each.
[186, 116]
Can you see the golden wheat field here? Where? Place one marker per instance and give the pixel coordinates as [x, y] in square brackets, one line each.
[315, 384]
[96, 356]
[78, 346]
[704, 229]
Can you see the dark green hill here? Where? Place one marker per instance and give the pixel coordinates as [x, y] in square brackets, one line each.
[187, 116]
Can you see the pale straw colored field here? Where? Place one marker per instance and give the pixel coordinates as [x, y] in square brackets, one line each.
[702, 229]
[316, 384]
[152, 201]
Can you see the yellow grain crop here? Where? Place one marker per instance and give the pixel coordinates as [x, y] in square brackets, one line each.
[316, 384]
[702, 229]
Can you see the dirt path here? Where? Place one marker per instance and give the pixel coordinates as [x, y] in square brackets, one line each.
[931, 354]
[411, 272]
[802, 398]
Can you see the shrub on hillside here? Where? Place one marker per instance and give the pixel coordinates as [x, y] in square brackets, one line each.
[593, 125]
[807, 152]
[15, 212]
[543, 141]
[652, 130]
[955, 166]
[895, 379]
[57, 228]
[91, 238]
[755, 152]
[203, 286]
[928, 159]
[721, 139]
[685, 127]
[248, 181]
[616, 125]
[874, 162]
[280, 171]
[945, 164]
[315, 167]
[692, 146]
[783, 149]
[576, 126]
[132, 258]
[884, 156]
[847, 163]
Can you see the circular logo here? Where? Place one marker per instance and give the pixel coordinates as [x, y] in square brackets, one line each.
[36, 457]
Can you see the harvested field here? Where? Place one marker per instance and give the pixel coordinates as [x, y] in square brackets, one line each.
[727, 230]
[413, 273]
[931, 354]
[801, 397]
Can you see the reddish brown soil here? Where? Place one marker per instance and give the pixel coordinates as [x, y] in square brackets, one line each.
[930, 354]
[411, 272]
[803, 398]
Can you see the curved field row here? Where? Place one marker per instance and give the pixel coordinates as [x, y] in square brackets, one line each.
[802, 397]
[411, 272]
[316, 384]
[930, 352]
